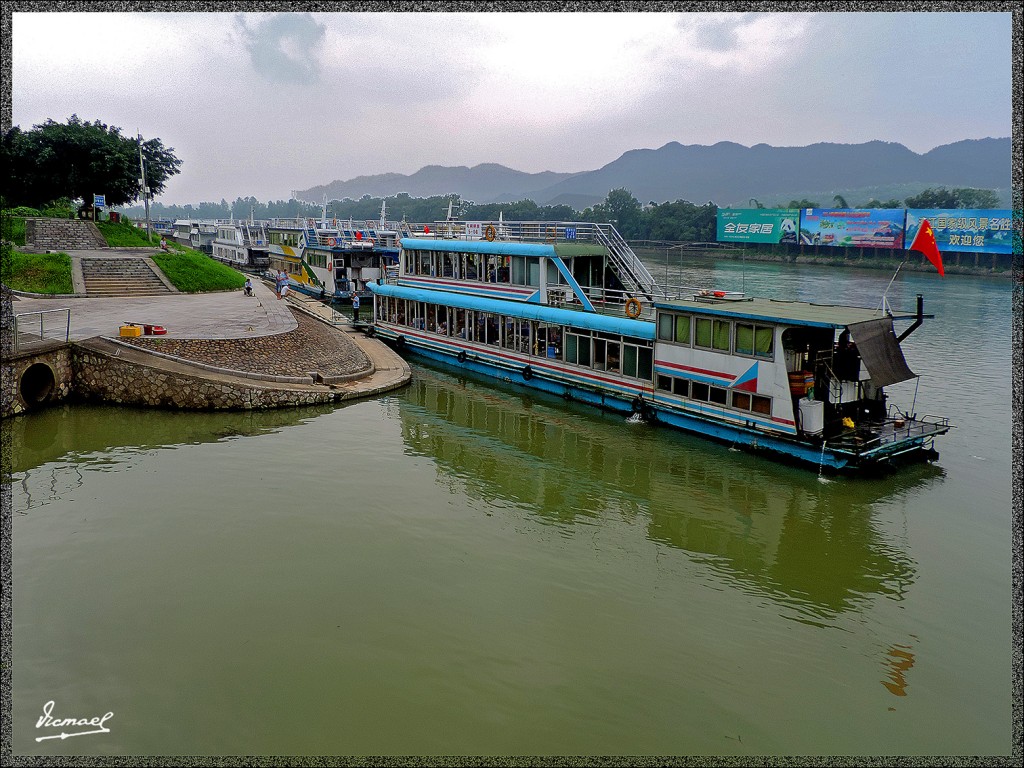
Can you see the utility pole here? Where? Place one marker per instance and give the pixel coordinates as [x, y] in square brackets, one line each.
[145, 190]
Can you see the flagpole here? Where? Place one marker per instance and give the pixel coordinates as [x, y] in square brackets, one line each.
[885, 301]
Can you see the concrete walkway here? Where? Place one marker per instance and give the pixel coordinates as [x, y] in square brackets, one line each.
[221, 315]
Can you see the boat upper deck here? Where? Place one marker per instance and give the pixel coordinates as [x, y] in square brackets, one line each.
[781, 311]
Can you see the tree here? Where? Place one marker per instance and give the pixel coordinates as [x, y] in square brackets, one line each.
[840, 201]
[79, 159]
[961, 197]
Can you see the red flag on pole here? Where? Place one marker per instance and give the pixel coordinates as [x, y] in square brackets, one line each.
[924, 242]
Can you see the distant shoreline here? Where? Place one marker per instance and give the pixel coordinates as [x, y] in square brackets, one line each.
[954, 263]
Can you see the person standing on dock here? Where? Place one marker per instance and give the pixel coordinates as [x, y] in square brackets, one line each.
[355, 307]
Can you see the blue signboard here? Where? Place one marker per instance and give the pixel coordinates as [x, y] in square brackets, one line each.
[852, 227]
[963, 229]
[99, 200]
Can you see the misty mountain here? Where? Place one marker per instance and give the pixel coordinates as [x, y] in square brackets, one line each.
[480, 183]
[725, 173]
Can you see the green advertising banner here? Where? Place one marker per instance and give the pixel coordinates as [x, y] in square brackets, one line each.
[758, 225]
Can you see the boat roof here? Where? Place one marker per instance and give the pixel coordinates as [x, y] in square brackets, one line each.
[781, 311]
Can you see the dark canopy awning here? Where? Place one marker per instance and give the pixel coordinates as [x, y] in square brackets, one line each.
[880, 350]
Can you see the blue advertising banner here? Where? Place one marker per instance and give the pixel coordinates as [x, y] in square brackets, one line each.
[758, 225]
[963, 229]
[852, 228]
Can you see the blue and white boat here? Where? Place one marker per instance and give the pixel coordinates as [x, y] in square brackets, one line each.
[333, 259]
[570, 309]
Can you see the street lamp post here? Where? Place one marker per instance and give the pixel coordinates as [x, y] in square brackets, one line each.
[145, 190]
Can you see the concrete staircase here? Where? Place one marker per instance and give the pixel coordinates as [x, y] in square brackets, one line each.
[62, 235]
[121, 277]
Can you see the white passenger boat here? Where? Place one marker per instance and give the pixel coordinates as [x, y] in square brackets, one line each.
[242, 244]
[570, 309]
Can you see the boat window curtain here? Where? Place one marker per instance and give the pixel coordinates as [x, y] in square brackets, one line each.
[744, 339]
[683, 329]
[764, 341]
[702, 337]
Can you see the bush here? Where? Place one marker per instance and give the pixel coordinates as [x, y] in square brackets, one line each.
[59, 209]
[12, 226]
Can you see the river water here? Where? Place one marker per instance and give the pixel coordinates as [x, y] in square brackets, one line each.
[463, 567]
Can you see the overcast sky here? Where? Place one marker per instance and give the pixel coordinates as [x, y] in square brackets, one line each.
[266, 103]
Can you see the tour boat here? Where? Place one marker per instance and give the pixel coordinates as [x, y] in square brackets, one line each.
[570, 309]
[333, 259]
[241, 244]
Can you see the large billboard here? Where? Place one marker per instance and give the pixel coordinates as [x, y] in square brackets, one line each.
[962, 229]
[852, 228]
[758, 225]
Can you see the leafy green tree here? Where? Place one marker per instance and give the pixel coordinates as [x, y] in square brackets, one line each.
[968, 197]
[805, 203]
[876, 203]
[78, 159]
[840, 201]
[961, 197]
[932, 198]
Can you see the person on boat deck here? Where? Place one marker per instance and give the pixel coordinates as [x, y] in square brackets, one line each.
[847, 362]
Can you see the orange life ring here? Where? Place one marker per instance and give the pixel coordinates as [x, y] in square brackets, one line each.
[331, 241]
[329, 266]
[490, 233]
[633, 308]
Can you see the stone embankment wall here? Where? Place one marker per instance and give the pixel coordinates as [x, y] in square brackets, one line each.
[103, 377]
[62, 235]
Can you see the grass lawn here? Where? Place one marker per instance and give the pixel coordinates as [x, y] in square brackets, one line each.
[193, 272]
[125, 235]
[39, 272]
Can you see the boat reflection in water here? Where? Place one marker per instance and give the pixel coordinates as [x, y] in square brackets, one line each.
[77, 436]
[812, 544]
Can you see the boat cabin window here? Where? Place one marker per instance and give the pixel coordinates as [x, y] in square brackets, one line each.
[755, 340]
[710, 333]
[577, 348]
[525, 270]
[674, 328]
[553, 276]
[744, 401]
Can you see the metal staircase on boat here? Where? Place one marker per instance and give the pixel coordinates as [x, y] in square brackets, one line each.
[635, 277]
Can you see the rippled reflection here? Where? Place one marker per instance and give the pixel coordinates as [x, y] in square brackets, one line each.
[771, 529]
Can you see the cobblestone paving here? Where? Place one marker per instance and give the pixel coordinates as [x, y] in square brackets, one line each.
[313, 346]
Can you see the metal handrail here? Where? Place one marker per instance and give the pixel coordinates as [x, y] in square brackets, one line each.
[42, 331]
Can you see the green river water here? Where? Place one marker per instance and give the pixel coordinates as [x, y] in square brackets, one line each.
[465, 567]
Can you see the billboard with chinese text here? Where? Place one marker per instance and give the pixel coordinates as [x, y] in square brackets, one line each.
[978, 231]
[852, 227]
[758, 225]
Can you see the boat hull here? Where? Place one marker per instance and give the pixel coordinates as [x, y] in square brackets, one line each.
[550, 376]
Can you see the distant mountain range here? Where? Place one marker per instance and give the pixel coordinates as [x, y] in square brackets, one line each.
[725, 173]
